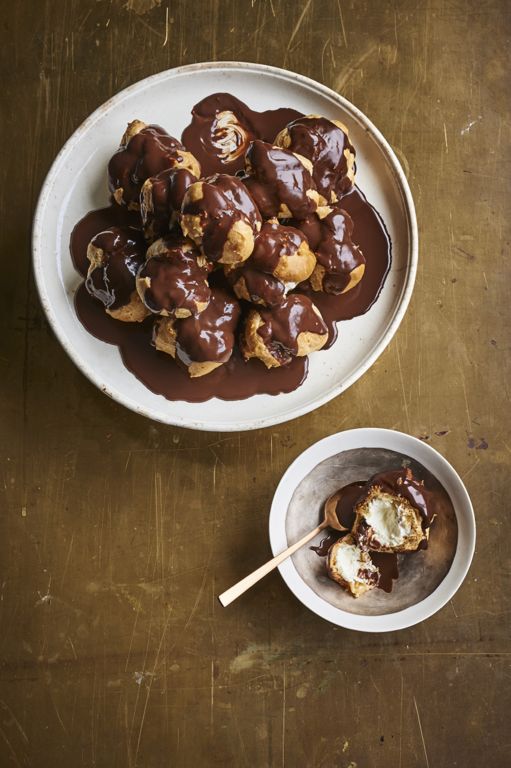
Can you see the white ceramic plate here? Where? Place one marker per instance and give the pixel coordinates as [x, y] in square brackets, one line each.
[77, 183]
[443, 566]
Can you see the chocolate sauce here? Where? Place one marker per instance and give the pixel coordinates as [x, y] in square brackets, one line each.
[94, 222]
[236, 379]
[273, 242]
[260, 286]
[173, 279]
[387, 564]
[210, 336]
[372, 237]
[166, 191]
[324, 143]
[163, 376]
[120, 253]
[345, 512]
[276, 178]
[224, 201]
[348, 497]
[283, 324]
[324, 545]
[330, 239]
[146, 154]
[222, 128]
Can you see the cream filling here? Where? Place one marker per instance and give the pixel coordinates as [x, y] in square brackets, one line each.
[389, 521]
[230, 138]
[349, 562]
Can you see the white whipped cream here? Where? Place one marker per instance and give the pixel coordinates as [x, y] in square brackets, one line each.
[389, 521]
[349, 562]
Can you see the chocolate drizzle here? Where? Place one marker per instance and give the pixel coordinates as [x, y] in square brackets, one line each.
[261, 287]
[166, 191]
[282, 325]
[372, 237]
[120, 252]
[324, 143]
[223, 202]
[173, 280]
[388, 566]
[330, 239]
[146, 154]
[209, 337]
[273, 242]
[222, 128]
[276, 178]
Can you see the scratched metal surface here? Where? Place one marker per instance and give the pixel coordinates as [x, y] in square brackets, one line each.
[113, 650]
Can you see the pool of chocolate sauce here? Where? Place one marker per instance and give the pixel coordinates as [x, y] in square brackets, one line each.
[237, 379]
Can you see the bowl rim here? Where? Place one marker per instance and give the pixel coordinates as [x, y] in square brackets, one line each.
[286, 414]
[374, 437]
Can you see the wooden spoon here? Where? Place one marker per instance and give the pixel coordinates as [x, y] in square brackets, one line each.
[329, 521]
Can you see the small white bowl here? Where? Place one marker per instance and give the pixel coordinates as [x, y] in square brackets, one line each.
[428, 579]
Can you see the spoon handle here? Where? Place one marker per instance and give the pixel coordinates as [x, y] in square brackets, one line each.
[238, 589]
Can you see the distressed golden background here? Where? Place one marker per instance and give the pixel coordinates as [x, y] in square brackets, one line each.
[113, 649]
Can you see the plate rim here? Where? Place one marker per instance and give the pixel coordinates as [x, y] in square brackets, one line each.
[372, 437]
[217, 425]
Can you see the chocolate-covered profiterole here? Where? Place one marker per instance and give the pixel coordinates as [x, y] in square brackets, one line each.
[145, 151]
[280, 182]
[326, 144]
[222, 128]
[161, 199]
[203, 342]
[281, 258]
[341, 263]
[292, 329]
[115, 256]
[173, 280]
[220, 216]
[392, 514]
[402, 483]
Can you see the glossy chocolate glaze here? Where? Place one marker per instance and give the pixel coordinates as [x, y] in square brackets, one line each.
[387, 564]
[372, 237]
[163, 376]
[167, 191]
[94, 222]
[210, 336]
[324, 143]
[112, 282]
[330, 239]
[146, 154]
[222, 128]
[275, 177]
[272, 243]
[345, 511]
[224, 201]
[261, 286]
[283, 324]
[176, 279]
[236, 379]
